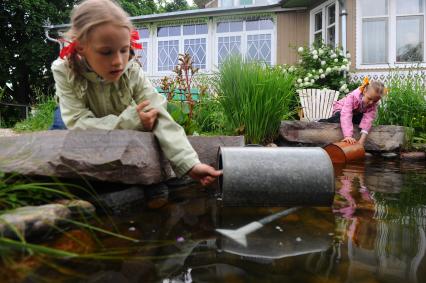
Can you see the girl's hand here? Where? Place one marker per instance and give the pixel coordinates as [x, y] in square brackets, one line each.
[147, 117]
[205, 173]
[349, 140]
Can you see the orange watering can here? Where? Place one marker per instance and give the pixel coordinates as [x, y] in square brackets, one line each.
[342, 152]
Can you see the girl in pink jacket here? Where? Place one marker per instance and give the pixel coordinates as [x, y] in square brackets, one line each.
[359, 107]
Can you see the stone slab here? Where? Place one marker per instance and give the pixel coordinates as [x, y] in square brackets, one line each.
[380, 139]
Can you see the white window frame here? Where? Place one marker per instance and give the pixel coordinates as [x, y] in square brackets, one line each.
[324, 9]
[181, 38]
[244, 35]
[391, 44]
[150, 42]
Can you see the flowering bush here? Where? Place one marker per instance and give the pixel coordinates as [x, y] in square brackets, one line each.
[321, 67]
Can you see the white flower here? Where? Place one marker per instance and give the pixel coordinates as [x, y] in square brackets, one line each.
[307, 84]
[323, 63]
[328, 70]
[336, 68]
[343, 68]
[300, 61]
[346, 90]
[315, 57]
[301, 85]
[316, 77]
[344, 87]
[312, 81]
[336, 60]
[300, 50]
[306, 79]
[348, 55]
[321, 71]
[345, 60]
[314, 52]
[300, 81]
[333, 55]
[309, 75]
[320, 51]
[291, 69]
[322, 76]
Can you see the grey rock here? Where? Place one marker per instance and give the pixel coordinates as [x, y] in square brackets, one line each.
[380, 139]
[120, 200]
[32, 220]
[119, 156]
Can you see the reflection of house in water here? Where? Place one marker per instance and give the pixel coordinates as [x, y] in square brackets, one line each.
[391, 243]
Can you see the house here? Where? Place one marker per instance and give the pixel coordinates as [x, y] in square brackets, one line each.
[378, 34]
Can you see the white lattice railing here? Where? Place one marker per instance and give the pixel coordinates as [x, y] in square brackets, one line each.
[386, 76]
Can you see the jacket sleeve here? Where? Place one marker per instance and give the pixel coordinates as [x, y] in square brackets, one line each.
[76, 114]
[346, 116]
[171, 136]
[367, 119]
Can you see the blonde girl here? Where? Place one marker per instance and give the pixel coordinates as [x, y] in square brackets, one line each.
[100, 85]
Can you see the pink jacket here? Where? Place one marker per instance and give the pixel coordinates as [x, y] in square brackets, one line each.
[351, 104]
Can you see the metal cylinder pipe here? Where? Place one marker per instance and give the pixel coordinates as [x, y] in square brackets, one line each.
[283, 176]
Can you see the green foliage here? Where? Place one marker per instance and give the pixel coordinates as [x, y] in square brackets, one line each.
[210, 117]
[180, 113]
[172, 5]
[405, 104]
[321, 66]
[140, 7]
[42, 118]
[255, 98]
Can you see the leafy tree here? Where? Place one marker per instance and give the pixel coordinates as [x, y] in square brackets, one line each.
[173, 5]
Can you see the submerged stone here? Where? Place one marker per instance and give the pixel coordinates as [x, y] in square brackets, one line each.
[381, 138]
[32, 220]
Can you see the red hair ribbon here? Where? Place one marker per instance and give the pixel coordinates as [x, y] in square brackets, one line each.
[67, 50]
[134, 40]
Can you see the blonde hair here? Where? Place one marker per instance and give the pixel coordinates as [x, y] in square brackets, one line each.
[89, 14]
[378, 87]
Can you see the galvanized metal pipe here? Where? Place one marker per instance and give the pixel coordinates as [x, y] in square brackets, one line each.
[260, 176]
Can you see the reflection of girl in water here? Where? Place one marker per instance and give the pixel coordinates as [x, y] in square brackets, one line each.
[352, 196]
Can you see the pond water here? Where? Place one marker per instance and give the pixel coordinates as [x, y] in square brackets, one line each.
[375, 232]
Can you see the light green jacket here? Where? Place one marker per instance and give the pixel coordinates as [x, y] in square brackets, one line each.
[87, 102]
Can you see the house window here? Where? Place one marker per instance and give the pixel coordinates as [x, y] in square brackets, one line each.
[253, 38]
[142, 55]
[175, 40]
[246, 2]
[392, 32]
[324, 25]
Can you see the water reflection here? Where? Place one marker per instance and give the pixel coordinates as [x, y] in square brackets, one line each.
[373, 233]
[383, 241]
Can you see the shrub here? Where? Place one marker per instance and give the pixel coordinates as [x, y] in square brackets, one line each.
[254, 98]
[405, 104]
[321, 66]
[210, 117]
[42, 118]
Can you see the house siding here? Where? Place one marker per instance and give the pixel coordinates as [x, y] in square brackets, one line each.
[351, 30]
[292, 31]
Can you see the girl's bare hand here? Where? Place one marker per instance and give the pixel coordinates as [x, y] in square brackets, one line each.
[147, 117]
[205, 173]
[349, 140]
